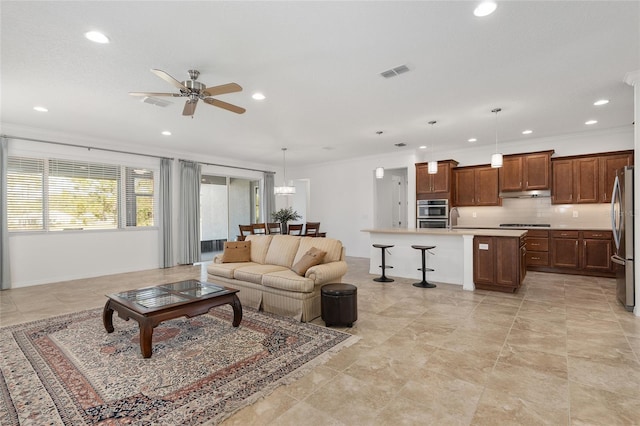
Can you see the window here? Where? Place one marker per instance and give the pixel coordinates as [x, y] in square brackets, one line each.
[59, 195]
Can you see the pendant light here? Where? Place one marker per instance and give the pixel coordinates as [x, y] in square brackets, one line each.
[379, 172]
[432, 166]
[496, 159]
[284, 189]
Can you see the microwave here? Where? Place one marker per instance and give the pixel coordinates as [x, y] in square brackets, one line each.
[432, 209]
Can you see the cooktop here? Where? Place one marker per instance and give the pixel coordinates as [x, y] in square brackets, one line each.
[525, 225]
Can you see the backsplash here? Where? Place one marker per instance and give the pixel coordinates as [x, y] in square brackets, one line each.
[538, 210]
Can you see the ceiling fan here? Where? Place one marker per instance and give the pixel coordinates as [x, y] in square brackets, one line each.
[194, 90]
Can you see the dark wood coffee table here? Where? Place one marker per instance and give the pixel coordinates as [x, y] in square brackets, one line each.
[150, 306]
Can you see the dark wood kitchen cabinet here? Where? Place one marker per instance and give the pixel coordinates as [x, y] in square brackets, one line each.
[575, 180]
[537, 243]
[581, 252]
[523, 172]
[586, 178]
[609, 164]
[476, 186]
[497, 263]
[437, 185]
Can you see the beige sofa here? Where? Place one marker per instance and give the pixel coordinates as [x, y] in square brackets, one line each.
[268, 282]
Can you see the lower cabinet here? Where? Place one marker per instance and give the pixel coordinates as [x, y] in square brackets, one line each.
[498, 263]
[582, 252]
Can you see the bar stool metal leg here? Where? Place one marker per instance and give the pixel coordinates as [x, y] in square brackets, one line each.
[424, 269]
[383, 278]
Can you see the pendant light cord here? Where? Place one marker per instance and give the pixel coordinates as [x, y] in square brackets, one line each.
[496, 110]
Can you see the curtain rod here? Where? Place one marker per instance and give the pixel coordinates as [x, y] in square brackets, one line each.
[231, 167]
[83, 146]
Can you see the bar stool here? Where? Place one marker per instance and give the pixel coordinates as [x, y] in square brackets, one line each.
[424, 269]
[383, 278]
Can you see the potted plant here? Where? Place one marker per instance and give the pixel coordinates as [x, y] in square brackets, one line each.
[285, 215]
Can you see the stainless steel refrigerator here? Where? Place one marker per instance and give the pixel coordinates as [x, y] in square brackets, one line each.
[622, 226]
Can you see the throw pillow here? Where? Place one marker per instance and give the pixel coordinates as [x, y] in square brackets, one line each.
[238, 251]
[311, 258]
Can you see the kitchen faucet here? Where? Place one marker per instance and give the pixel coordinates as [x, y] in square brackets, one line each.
[453, 209]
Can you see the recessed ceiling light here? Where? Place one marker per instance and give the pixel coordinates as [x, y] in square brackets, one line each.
[423, 147]
[527, 132]
[40, 109]
[97, 37]
[472, 140]
[590, 122]
[166, 133]
[258, 96]
[601, 102]
[485, 8]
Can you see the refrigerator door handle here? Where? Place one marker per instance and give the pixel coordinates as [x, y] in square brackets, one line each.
[615, 199]
[617, 259]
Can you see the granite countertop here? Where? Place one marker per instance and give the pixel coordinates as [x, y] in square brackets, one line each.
[542, 228]
[456, 231]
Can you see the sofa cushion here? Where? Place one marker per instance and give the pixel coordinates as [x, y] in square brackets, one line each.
[254, 273]
[226, 270]
[289, 281]
[332, 246]
[282, 250]
[259, 247]
[236, 251]
[312, 257]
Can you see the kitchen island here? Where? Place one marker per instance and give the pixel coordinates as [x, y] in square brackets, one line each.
[453, 256]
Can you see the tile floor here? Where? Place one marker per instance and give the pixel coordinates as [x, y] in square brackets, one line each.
[560, 351]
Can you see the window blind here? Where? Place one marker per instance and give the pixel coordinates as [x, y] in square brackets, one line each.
[25, 184]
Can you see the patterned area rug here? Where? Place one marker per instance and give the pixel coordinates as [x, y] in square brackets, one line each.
[69, 370]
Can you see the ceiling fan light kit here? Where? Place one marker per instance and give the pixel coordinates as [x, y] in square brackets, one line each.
[194, 91]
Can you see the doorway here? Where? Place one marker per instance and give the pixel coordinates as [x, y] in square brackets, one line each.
[391, 198]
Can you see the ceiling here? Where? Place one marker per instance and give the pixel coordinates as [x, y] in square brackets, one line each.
[319, 65]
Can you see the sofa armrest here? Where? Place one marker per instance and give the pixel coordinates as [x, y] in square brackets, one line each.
[327, 272]
[217, 258]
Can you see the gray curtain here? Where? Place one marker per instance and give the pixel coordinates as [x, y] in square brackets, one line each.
[189, 218]
[269, 197]
[5, 276]
[166, 228]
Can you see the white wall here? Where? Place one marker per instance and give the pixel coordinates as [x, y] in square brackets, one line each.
[342, 193]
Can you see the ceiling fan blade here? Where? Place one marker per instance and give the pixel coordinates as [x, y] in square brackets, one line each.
[190, 107]
[154, 94]
[163, 75]
[224, 105]
[222, 89]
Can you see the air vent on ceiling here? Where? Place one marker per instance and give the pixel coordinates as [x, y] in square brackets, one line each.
[155, 101]
[395, 71]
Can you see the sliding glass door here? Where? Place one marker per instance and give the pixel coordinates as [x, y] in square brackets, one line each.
[225, 203]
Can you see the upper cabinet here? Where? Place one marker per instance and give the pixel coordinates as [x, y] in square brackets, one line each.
[609, 164]
[476, 186]
[524, 172]
[586, 178]
[437, 185]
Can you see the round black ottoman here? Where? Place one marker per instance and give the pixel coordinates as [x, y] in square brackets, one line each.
[339, 304]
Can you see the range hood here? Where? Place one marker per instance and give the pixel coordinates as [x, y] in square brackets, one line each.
[526, 194]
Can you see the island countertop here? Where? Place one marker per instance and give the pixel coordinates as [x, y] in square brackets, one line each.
[451, 260]
[453, 232]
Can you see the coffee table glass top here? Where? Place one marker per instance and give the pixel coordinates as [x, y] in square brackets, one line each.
[168, 294]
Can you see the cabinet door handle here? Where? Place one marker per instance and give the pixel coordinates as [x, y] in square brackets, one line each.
[576, 243]
[535, 258]
[534, 244]
[597, 235]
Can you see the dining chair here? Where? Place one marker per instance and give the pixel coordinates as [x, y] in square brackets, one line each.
[274, 228]
[312, 229]
[244, 231]
[259, 228]
[295, 229]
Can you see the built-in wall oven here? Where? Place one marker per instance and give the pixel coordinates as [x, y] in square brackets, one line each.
[431, 223]
[432, 213]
